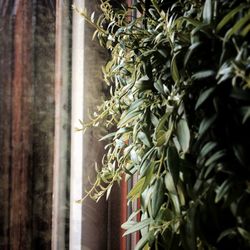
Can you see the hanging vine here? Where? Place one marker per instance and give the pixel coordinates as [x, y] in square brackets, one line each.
[179, 104]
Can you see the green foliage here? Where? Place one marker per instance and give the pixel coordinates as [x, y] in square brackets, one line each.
[179, 105]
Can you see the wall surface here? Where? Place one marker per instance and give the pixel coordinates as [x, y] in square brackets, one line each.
[37, 51]
[26, 123]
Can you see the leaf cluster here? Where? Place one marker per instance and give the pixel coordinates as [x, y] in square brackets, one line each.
[179, 106]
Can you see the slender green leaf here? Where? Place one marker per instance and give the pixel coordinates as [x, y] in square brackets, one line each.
[136, 190]
[163, 137]
[203, 74]
[162, 122]
[245, 31]
[138, 226]
[183, 135]
[169, 183]
[176, 203]
[92, 17]
[229, 232]
[208, 12]
[144, 167]
[154, 119]
[136, 104]
[157, 196]
[144, 138]
[203, 97]
[142, 242]
[206, 124]
[108, 136]
[237, 26]
[216, 156]
[149, 175]
[244, 233]
[163, 52]
[181, 194]
[149, 155]
[240, 153]
[128, 117]
[229, 16]
[174, 70]
[134, 156]
[108, 192]
[128, 224]
[223, 190]
[158, 85]
[207, 148]
[190, 52]
[209, 170]
[130, 221]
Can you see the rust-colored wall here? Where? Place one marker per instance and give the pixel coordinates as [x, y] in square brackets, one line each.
[21, 171]
[26, 123]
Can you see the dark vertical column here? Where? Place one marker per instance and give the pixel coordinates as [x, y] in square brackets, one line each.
[43, 123]
[5, 119]
[21, 171]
